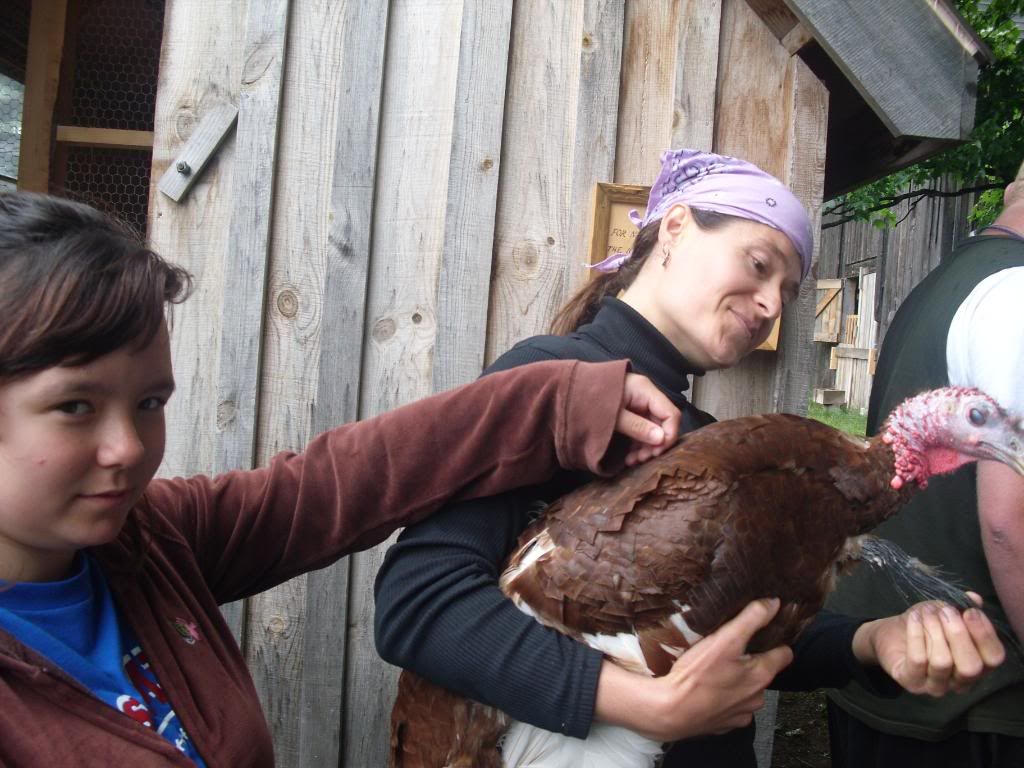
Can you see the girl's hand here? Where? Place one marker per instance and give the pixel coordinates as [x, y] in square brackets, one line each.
[932, 648]
[712, 688]
[648, 418]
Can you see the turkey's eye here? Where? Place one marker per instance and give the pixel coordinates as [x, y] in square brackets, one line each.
[977, 417]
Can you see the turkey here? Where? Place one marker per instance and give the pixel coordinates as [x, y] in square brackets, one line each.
[645, 564]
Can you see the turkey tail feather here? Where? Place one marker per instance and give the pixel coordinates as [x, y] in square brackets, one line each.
[915, 581]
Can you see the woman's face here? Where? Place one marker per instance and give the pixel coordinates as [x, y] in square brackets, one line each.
[721, 291]
[78, 445]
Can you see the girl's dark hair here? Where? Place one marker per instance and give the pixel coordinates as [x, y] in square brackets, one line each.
[75, 285]
[581, 308]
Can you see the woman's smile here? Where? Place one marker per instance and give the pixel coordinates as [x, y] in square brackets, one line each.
[748, 327]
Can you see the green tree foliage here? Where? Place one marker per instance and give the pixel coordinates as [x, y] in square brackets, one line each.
[989, 160]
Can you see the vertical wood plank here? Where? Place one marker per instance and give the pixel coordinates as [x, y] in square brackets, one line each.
[414, 159]
[531, 249]
[463, 288]
[249, 234]
[200, 70]
[597, 119]
[296, 632]
[693, 120]
[244, 282]
[357, 93]
[805, 175]
[648, 91]
[42, 77]
[755, 105]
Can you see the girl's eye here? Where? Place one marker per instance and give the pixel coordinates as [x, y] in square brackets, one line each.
[759, 266]
[152, 404]
[75, 408]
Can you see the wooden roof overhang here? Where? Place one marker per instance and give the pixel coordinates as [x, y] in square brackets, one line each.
[902, 78]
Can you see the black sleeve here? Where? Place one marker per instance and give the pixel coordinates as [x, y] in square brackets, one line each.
[823, 658]
[440, 614]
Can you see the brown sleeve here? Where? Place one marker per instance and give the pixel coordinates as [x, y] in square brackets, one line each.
[357, 483]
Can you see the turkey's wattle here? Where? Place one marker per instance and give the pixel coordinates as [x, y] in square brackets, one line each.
[645, 564]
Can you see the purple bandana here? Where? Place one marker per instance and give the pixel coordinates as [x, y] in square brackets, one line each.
[724, 185]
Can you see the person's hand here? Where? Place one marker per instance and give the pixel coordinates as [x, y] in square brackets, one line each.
[648, 418]
[712, 688]
[931, 648]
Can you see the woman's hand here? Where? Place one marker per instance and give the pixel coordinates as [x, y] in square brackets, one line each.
[932, 648]
[648, 418]
[712, 688]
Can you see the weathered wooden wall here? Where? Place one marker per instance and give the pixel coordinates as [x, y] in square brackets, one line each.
[900, 258]
[424, 206]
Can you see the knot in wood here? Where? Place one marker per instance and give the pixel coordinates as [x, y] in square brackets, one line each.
[184, 124]
[287, 303]
[225, 414]
[526, 258]
[257, 64]
[383, 329]
[277, 625]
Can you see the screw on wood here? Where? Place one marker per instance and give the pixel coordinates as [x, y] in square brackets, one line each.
[183, 168]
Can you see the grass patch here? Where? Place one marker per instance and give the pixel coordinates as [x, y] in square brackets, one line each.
[840, 418]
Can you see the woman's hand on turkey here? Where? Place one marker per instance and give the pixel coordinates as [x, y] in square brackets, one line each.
[648, 418]
[714, 687]
[932, 648]
[717, 684]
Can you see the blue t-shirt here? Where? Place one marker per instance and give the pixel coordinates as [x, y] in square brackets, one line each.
[76, 625]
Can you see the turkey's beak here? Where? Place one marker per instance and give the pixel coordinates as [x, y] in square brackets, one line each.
[1008, 446]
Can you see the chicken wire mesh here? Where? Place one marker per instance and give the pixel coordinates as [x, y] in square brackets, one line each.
[14, 21]
[114, 180]
[113, 79]
[117, 54]
[12, 99]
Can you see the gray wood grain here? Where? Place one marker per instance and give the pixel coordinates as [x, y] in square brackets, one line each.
[414, 149]
[244, 284]
[693, 123]
[912, 71]
[650, 54]
[330, 715]
[248, 242]
[463, 288]
[597, 122]
[532, 250]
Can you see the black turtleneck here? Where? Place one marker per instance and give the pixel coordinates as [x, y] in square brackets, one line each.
[439, 611]
[618, 332]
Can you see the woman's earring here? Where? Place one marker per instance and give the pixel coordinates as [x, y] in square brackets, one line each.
[667, 255]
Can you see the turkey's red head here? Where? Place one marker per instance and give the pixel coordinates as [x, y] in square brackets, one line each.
[937, 431]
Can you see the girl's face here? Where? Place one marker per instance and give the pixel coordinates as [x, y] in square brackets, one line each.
[721, 291]
[78, 445]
